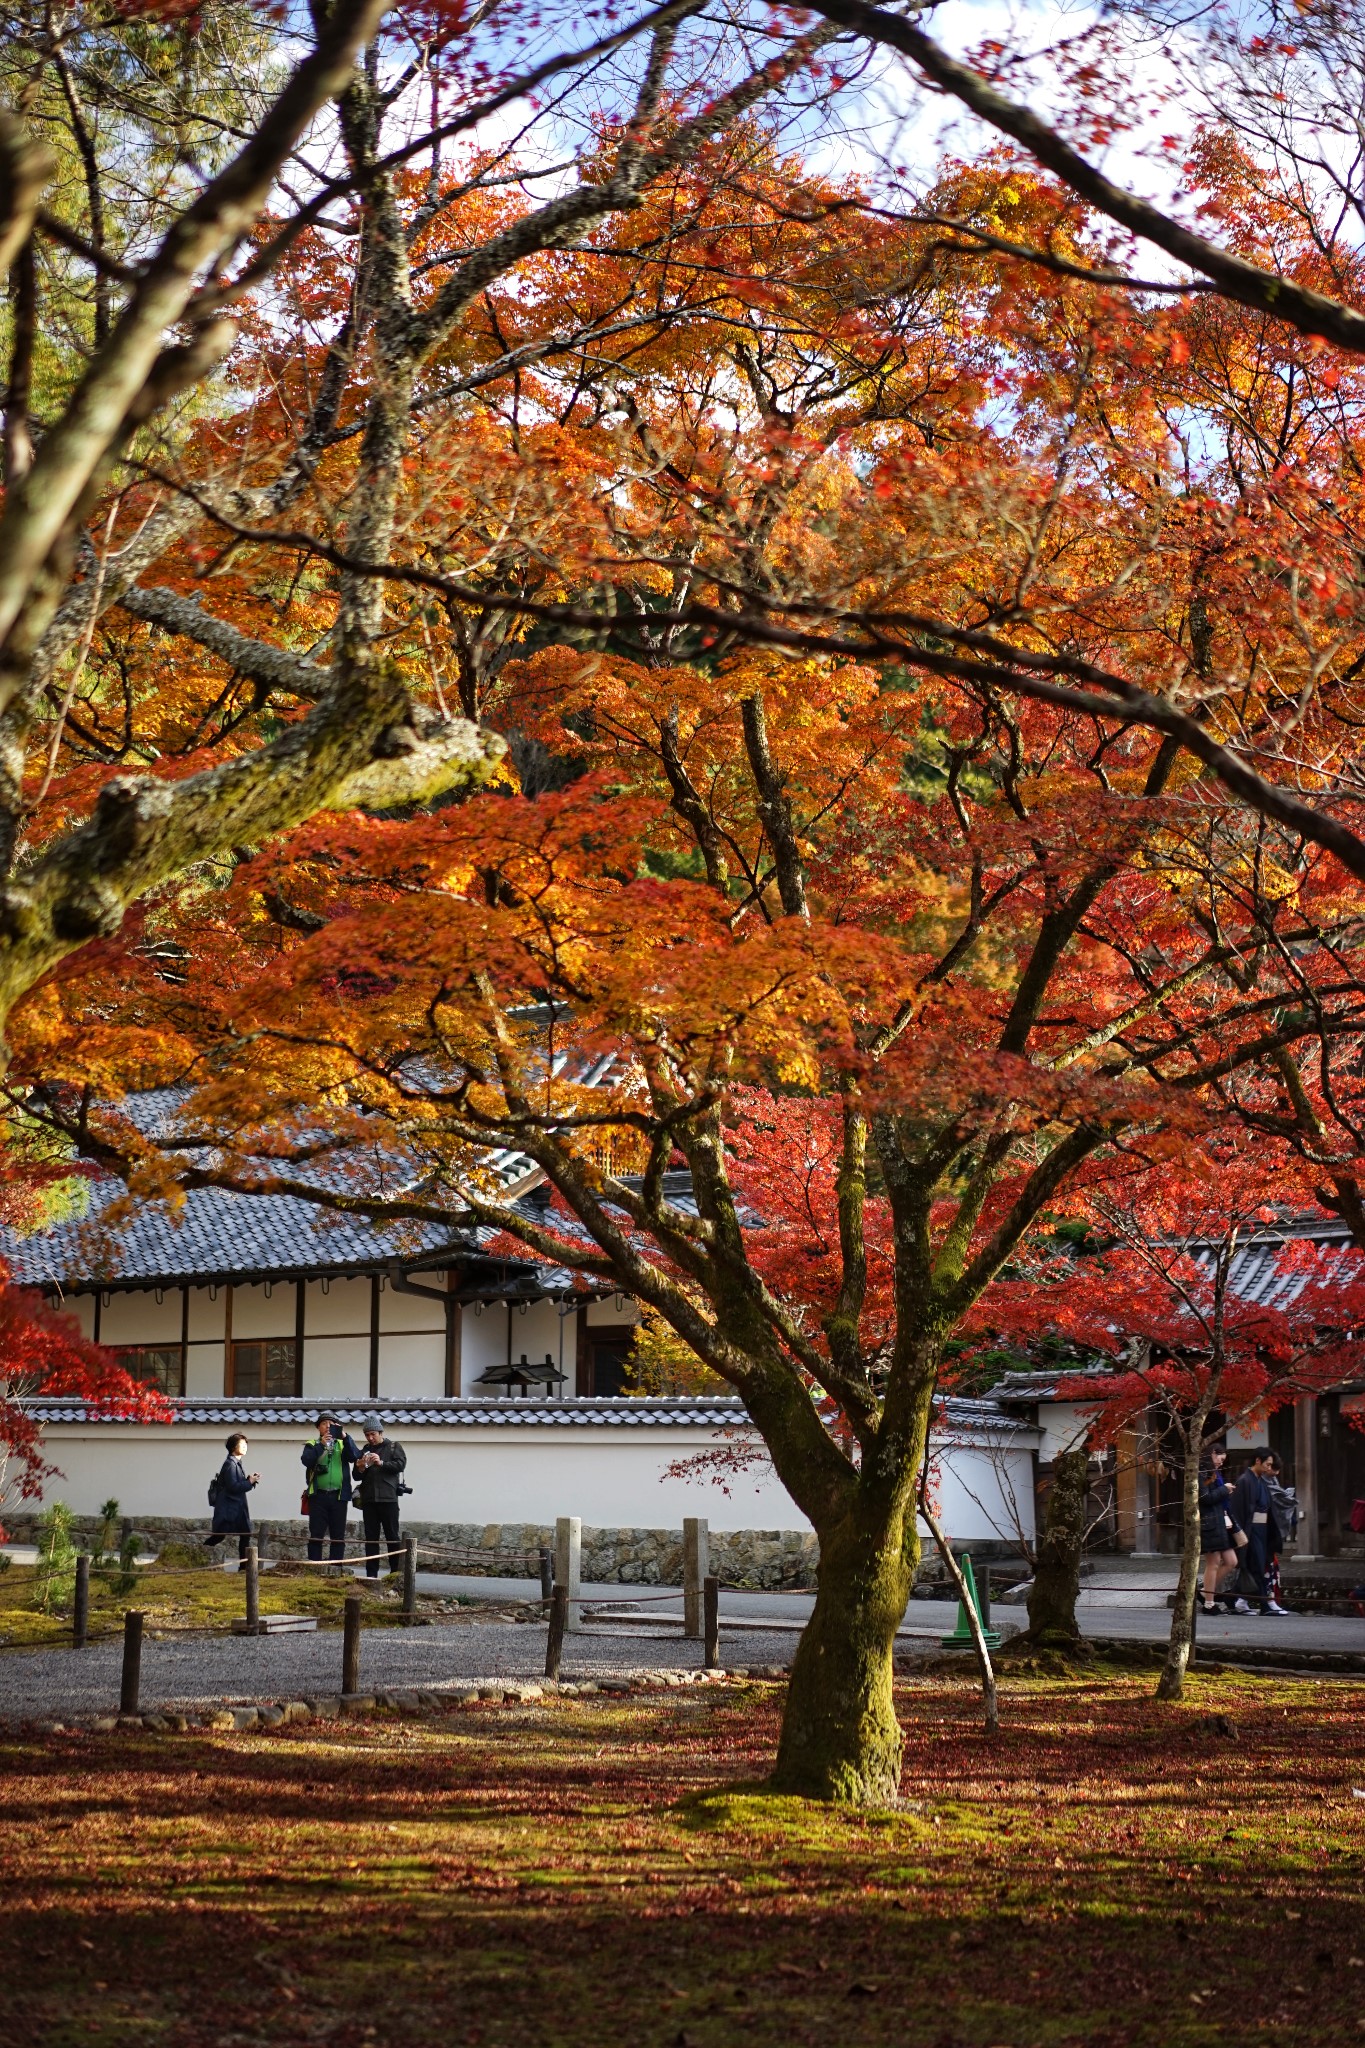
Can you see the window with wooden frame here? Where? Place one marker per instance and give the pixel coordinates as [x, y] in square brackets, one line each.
[156, 1365]
[263, 1365]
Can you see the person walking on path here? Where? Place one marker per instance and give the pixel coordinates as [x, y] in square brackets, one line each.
[1217, 1532]
[380, 1468]
[328, 1459]
[231, 1516]
[1254, 1512]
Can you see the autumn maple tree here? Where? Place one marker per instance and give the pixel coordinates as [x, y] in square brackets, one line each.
[874, 601]
[1171, 1293]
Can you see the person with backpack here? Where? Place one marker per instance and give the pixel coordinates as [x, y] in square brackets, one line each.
[380, 1468]
[328, 1460]
[228, 1490]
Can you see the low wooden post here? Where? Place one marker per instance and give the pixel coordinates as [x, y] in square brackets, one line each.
[711, 1616]
[350, 1645]
[80, 1616]
[568, 1566]
[554, 1640]
[253, 1590]
[132, 1662]
[696, 1565]
[983, 1596]
[547, 1573]
[409, 1580]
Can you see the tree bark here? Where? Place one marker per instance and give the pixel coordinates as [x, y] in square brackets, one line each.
[1180, 1647]
[840, 1736]
[1057, 1579]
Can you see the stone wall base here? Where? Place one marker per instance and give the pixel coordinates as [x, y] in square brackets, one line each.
[766, 1559]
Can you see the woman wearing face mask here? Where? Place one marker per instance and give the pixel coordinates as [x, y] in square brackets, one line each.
[231, 1516]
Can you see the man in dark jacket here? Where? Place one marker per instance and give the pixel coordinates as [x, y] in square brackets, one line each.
[380, 1468]
[328, 1460]
[1254, 1512]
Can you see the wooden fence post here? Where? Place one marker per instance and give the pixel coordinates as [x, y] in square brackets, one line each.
[132, 1662]
[711, 1614]
[253, 1590]
[80, 1614]
[554, 1640]
[547, 1573]
[696, 1565]
[350, 1645]
[569, 1565]
[409, 1580]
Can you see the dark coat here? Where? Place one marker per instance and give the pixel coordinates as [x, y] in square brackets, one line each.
[380, 1482]
[1215, 1512]
[1254, 1511]
[312, 1452]
[230, 1512]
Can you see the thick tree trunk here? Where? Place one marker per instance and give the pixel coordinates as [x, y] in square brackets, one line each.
[1057, 1578]
[1171, 1683]
[840, 1736]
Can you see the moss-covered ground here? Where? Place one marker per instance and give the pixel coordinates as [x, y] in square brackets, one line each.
[184, 1593]
[588, 1871]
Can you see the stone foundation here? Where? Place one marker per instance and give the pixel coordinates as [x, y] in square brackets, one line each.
[765, 1559]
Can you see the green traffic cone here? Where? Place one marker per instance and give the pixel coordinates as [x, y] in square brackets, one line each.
[963, 1632]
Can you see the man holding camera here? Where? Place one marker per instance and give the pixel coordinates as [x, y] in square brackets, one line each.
[328, 1461]
[379, 1470]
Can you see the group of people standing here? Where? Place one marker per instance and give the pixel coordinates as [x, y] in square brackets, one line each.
[1243, 1530]
[338, 1472]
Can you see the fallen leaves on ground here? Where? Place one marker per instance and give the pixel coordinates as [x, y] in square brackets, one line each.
[1107, 1872]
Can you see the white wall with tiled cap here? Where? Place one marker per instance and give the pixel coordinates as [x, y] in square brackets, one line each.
[613, 1475]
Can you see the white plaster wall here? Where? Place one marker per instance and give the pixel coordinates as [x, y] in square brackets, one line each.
[985, 1492]
[335, 1368]
[483, 1342]
[141, 1319]
[1245, 1436]
[256, 1314]
[617, 1308]
[611, 1477]
[410, 1311]
[205, 1370]
[343, 1311]
[82, 1307]
[1063, 1425]
[208, 1319]
[537, 1331]
[412, 1368]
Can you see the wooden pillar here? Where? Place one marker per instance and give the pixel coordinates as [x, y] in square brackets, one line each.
[300, 1296]
[1306, 1474]
[696, 1568]
[374, 1336]
[569, 1565]
[454, 1332]
[1133, 1486]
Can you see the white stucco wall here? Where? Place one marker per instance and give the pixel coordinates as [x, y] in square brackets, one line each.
[610, 1475]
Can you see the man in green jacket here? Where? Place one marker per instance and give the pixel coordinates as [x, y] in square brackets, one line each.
[328, 1459]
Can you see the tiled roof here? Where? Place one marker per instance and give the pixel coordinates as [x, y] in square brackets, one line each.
[218, 1236]
[714, 1411]
[654, 1413]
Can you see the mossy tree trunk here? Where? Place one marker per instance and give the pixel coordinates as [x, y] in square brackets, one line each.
[1057, 1577]
[840, 1736]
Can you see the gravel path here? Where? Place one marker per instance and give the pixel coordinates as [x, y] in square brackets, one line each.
[193, 1672]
